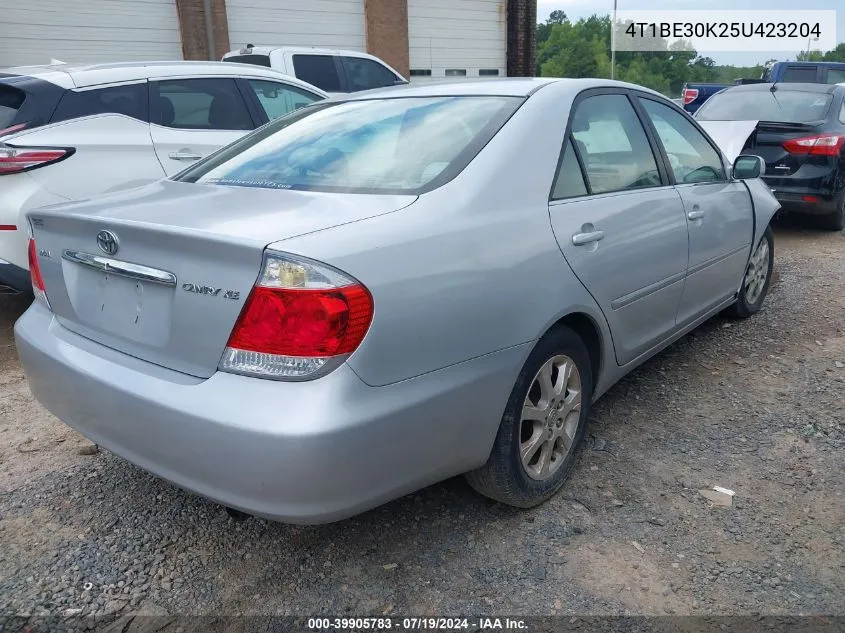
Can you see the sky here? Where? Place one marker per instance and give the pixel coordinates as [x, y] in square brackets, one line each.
[584, 8]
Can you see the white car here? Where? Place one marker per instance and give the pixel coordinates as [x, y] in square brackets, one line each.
[73, 132]
[335, 71]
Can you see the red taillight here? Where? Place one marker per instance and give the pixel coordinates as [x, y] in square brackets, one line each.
[35, 275]
[13, 128]
[818, 145]
[17, 159]
[299, 316]
[690, 95]
[306, 323]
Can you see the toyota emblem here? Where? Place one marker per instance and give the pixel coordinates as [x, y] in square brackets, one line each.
[107, 241]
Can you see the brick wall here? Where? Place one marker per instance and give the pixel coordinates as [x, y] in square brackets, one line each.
[522, 37]
[387, 32]
[192, 26]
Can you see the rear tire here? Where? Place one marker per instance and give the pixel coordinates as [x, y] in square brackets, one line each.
[547, 411]
[836, 220]
[757, 277]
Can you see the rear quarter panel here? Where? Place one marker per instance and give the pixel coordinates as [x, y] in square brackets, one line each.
[470, 268]
[112, 152]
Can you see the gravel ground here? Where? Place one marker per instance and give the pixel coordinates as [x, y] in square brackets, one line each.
[755, 406]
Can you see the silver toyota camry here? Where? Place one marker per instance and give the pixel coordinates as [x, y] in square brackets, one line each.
[377, 293]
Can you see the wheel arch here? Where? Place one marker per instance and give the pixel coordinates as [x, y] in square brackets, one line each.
[585, 326]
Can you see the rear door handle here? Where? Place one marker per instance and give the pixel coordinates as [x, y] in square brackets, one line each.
[579, 239]
[184, 155]
[695, 215]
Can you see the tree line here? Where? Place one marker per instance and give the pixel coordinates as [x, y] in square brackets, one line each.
[582, 49]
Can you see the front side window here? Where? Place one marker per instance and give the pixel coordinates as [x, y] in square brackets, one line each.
[279, 99]
[366, 74]
[129, 100]
[691, 158]
[402, 145]
[613, 145]
[317, 70]
[836, 76]
[200, 104]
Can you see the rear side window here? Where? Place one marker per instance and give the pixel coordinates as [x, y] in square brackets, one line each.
[836, 75]
[200, 104]
[11, 99]
[408, 145]
[613, 145]
[366, 74]
[279, 99]
[129, 100]
[800, 74]
[255, 60]
[317, 70]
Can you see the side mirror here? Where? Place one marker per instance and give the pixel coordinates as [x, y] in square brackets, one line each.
[748, 167]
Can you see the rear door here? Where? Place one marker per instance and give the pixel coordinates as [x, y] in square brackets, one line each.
[719, 214]
[618, 222]
[191, 118]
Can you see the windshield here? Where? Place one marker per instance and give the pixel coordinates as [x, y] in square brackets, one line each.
[783, 106]
[403, 145]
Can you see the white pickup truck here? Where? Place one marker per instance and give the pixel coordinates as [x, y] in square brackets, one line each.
[334, 71]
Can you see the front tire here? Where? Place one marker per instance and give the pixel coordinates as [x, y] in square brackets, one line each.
[543, 426]
[758, 276]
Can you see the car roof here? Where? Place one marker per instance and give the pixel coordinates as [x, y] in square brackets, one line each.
[795, 86]
[505, 87]
[266, 50]
[85, 75]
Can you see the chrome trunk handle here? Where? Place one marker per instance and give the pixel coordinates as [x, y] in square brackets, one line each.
[118, 267]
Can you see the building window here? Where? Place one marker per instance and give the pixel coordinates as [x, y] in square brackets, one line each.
[488, 72]
[456, 72]
[421, 72]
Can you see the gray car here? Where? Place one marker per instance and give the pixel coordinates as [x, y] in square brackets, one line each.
[377, 293]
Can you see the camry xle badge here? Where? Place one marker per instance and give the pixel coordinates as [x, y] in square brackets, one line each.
[107, 241]
[211, 292]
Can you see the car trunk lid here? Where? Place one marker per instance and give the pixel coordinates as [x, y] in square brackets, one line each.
[768, 139]
[162, 273]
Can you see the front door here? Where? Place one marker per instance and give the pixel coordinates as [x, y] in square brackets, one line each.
[718, 211]
[619, 224]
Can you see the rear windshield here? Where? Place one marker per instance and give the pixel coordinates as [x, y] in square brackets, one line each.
[11, 100]
[783, 106]
[404, 145]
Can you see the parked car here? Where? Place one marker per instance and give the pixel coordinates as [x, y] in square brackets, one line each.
[799, 129]
[72, 132]
[695, 94]
[335, 71]
[374, 294]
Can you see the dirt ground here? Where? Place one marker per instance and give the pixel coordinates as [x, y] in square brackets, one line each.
[755, 406]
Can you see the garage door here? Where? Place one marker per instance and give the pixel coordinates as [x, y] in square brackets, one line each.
[320, 23]
[457, 39]
[80, 31]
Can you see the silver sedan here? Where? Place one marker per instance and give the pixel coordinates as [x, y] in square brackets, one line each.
[377, 293]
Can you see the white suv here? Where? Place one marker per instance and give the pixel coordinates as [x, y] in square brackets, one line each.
[335, 71]
[68, 132]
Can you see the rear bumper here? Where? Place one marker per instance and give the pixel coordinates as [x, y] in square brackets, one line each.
[13, 278]
[307, 452]
[795, 203]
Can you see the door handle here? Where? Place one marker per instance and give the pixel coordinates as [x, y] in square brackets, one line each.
[580, 239]
[184, 155]
[695, 214]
